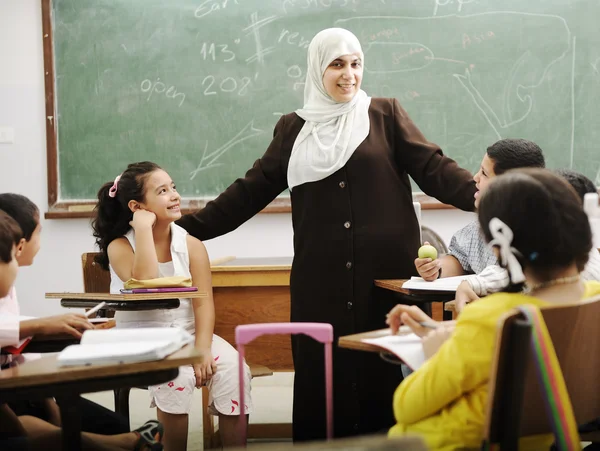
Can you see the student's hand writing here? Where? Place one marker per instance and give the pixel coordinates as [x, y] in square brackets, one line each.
[427, 268]
[142, 219]
[71, 323]
[435, 339]
[464, 295]
[410, 315]
[204, 371]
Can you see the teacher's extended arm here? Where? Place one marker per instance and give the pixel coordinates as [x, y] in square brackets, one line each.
[245, 197]
[436, 174]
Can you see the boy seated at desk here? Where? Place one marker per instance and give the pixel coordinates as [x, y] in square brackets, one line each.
[468, 253]
[494, 278]
[95, 418]
[30, 433]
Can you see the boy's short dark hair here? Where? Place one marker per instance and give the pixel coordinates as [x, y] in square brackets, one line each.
[10, 235]
[578, 181]
[22, 210]
[511, 153]
[550, 228]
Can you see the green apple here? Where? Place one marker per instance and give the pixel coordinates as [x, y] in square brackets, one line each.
[428, 251]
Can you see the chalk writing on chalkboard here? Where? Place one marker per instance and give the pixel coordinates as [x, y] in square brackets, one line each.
[198, 85]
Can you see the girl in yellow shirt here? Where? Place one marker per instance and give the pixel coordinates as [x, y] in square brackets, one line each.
[535, 223]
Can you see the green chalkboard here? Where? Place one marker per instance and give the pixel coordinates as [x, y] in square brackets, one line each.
[197, 85]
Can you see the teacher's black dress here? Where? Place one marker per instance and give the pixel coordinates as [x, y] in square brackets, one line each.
[350, 228]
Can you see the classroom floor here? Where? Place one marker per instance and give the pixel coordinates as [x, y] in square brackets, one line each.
[272, 404]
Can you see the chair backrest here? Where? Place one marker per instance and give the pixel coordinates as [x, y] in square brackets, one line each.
[95, 278]
[516, 407]
[434, 239]
[417, 207]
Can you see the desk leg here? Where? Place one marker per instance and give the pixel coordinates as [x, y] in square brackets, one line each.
[71, 421]
[447, 315]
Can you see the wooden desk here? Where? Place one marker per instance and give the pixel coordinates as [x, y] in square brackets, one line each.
[451, 307]
[364, 443]
[123, 302]
[43, 378]
[255, 290]
[418, 296]
[354, 341]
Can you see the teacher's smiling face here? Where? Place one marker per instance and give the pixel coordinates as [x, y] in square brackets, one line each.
[342, 77]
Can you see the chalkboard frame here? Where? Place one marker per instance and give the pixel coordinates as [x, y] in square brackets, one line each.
[63, 209]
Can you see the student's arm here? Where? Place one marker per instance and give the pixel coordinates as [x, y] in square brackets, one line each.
[491, 280]
[71, 324]
[9, 330]
[204, 308]
[248, 195]
[128, 264]
[429, 269]
[461, 364]
[450, 266]
[457, 261]
[412, 316]
[464, 295]
[145, 260]
[436, 174]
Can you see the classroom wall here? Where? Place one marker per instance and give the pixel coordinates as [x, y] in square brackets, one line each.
[23, 170]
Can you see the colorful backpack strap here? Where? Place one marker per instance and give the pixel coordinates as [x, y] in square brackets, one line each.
[556, 397]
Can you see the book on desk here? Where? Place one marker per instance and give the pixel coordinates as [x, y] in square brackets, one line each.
[114, 346]
[405, 345]
[447, 284]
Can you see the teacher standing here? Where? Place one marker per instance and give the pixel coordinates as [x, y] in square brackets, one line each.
[346, 158]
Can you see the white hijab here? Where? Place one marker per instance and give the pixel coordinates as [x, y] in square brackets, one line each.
[332, 130]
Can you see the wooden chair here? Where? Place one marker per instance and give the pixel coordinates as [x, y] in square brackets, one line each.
[97, 280]
[434, 239]
[515, 406]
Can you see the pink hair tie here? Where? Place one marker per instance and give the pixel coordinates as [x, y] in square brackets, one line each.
[112, 192]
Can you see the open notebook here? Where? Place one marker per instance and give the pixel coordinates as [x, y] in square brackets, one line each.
[443, 284]
[113, 346]
[407, 346]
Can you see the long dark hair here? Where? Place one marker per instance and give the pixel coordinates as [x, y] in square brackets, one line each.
[550, 228]
[112, 214]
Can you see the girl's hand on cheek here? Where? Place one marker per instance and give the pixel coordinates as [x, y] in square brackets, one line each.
[143, 219]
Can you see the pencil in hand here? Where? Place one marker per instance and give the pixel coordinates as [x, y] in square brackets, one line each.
[94, 309]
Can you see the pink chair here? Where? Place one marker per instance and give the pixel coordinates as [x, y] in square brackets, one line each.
[322, 332]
